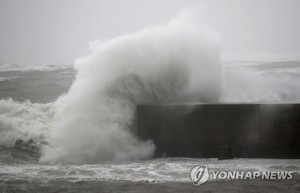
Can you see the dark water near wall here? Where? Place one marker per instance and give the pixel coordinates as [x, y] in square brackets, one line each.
[138, 187]
[20, 170]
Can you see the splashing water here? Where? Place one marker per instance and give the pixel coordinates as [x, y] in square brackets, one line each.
[175, 63]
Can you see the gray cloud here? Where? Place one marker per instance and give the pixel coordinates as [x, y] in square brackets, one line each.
[58, 31]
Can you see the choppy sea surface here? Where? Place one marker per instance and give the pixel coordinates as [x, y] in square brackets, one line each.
[20, 170]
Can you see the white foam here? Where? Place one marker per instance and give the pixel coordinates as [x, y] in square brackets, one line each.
[7, 67]
[158, 170]
[24, 121]
[8, 78]
[173, 63]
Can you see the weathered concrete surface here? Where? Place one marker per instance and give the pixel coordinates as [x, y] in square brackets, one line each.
[251, 130]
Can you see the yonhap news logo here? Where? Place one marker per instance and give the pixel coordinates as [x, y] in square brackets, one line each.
[201, 174]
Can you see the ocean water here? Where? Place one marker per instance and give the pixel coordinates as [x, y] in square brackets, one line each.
[65, 129]
[37, 85]
[21, 170]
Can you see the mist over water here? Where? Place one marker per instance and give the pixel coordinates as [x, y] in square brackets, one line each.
[262, 83]
[176, 63]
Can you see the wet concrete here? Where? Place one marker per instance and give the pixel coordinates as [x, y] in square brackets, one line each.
[250, 130]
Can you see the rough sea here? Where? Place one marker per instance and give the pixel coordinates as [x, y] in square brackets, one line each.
[26, 103]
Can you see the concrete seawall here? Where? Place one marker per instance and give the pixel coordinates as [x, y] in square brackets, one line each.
[251, 130]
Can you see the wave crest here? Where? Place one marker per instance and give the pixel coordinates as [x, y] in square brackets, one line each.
[24, 123]
[178, 62]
